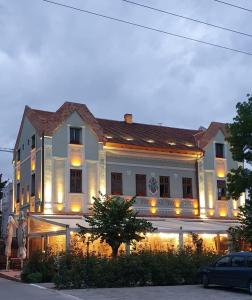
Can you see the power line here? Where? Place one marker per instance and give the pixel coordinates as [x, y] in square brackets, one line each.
[234, 5]
[6, 150]
[187, 18]
[147, 27]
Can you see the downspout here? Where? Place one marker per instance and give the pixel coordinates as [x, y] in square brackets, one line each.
[42, 172]
[197, 184]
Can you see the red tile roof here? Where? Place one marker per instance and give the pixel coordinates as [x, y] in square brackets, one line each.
[135, 135]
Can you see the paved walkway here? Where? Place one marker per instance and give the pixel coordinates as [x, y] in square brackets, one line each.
[15, 290]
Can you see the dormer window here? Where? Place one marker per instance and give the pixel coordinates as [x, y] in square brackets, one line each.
[219, 150]
[75, 135]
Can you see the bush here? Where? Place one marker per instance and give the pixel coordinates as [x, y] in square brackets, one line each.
[42, 263]
[146, 268]
[34, 277]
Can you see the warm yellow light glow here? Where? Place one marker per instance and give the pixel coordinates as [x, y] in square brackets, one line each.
[178, 211]
[177, 203]
[203, 213]
[153, 210]
[75, 208]
[71, 233]
[76, 162]
[208, 235]
[195, 204]
[242, 199]
[222, 213]
[235, 213]
[60, 195]
[210, 199]
[235, 205]
[18, 173]
[59, 207]
[211, 212]
[153, 202]
[220, 168]
[195, 212]
[33, 165]
[164, 235]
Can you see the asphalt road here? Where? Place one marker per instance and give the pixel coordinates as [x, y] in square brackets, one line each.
[10, 290]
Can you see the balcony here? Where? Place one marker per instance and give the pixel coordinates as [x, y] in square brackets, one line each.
[166, 207]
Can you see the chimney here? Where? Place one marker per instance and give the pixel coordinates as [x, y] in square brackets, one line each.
[128, 118]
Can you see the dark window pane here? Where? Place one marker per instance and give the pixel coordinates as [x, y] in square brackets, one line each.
[75, 135]
[219, 150]
[75, 181]
[164, 186]
[238, 261]
[18, 192]
[187, 187]
[33, 185]
[33, 144]
[223, 262]
[116, 184]
[249, 261]
[140, 185]
[221, 189]
[18, 155]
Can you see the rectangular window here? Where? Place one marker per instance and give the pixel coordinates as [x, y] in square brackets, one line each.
[33, 141]
[164, 186]
[33, 185]
[18, 155]
[75, 181]
[238, 261]
[75, 135]
[187, 187]
[18, 192]
[221, 189]
[140, 185]
[116, 184]
[219, 150]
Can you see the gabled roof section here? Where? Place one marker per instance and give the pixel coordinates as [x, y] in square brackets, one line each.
[203, 138]
[46, 122]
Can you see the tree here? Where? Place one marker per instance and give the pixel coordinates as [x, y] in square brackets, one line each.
[2, 186]
[114, 221]
[240, 180]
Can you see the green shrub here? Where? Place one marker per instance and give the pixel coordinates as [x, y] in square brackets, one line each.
[74, 270]
[43, 263]
[34, 277]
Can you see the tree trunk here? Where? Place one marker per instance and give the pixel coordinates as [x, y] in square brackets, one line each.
[115, 250]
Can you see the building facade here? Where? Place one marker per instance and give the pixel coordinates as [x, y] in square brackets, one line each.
[6, 207]
[65, 158]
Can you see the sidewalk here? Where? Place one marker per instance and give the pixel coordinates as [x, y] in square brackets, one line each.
[11, 275]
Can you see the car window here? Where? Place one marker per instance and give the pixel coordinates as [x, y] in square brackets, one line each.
[249, 261]
[238, 261]
[223, 262]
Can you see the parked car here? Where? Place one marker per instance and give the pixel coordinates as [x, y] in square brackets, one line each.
[233, 270]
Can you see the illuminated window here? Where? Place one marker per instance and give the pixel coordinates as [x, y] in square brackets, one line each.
[140, 185]
[221, 189]
[116, 183]
[75, 135]
[219, 150]
[187, 187]
[75, 181]
[164, 186]
[33, 185]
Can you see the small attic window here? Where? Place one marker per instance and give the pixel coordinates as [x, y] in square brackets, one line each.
[150, 141]
[219, 150]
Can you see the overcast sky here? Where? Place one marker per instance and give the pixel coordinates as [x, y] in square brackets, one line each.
[50, 54]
